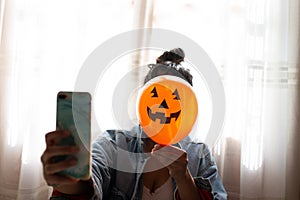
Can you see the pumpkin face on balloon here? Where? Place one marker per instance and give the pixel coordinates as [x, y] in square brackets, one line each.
[159, 109]
[167, 109]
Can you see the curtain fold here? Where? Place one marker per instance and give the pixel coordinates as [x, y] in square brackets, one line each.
[293, 157]
[10, 155]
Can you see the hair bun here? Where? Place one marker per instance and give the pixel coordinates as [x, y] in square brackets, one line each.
[175, 55]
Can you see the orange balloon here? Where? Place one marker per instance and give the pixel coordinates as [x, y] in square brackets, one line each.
[167, 109]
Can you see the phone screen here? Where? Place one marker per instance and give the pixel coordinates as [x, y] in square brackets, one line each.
[74, 114]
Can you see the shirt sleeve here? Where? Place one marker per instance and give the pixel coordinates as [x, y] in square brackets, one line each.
[204, 170]
[208, 175]
[103, 151]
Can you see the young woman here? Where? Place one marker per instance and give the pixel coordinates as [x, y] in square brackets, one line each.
[185, 170]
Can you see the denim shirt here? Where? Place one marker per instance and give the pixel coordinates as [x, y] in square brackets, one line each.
[118, 161]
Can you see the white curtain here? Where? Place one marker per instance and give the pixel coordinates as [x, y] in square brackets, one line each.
[253, 43]
[255, 46]
[44, 44]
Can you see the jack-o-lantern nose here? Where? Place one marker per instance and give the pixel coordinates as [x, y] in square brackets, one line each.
[164, 104]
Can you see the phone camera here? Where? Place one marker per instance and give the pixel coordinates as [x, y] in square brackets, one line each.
[62, 96]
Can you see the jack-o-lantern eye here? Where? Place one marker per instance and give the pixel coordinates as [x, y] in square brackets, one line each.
[176, 95]
[154, 92]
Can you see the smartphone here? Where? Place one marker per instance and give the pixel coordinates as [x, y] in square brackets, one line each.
[74, 114]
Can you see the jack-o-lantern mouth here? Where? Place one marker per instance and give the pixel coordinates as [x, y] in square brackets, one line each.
[161, 116]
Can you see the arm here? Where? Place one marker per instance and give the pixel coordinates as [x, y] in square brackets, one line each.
[205, 170]
[62, 184]
[176, 161]
[103, 152]
[70, 188]
[187, 188]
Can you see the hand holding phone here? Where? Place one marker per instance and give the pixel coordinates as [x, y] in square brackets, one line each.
[74, 114]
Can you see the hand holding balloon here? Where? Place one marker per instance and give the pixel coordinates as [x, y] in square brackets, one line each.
[174, 158]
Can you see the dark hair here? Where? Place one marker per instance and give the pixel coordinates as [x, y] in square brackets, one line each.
[169, 63]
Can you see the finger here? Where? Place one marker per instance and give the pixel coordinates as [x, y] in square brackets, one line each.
[54, 137]
[52, 151]
[165, 161]
[178, 166]
[167, 148]
[167, 158]
[179, 163]
[60, 180]
[158, 146]
[173, 155]
[53, 168]
[170, 151]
